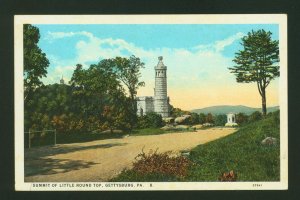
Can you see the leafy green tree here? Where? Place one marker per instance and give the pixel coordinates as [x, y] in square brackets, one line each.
[220, 120]
[129, 72]
[194, 119]
[209, 118]
[35, 61]
[99, 92]
[257, 62]
[202, 118]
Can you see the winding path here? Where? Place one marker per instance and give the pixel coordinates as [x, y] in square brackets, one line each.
[103, 159]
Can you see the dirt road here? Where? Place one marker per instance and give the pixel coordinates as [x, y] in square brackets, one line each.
[103, 159]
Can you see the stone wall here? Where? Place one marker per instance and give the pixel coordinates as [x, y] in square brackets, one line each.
[145, 105]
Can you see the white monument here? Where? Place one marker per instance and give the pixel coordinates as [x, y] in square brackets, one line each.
[231, 120]
[160, 102]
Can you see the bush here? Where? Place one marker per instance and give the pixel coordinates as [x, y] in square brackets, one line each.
[241, 118]
[194, 119]
[255, 116]
[161, 163]
[150, 120]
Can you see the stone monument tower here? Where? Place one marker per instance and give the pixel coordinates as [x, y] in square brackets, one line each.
[161, 100]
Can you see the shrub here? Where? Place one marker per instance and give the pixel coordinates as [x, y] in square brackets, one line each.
[194, 119]
[228, 176]
[150, 120]
[161, 163]
[255, 116]
[241, 118]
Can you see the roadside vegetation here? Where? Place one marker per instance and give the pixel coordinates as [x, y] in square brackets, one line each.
[241, 155]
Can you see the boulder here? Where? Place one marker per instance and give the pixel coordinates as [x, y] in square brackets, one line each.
[181, 119]
[168, 128]
[208, 125]
[197, 126]
[114, 131]
[182, 127]
[269, 141]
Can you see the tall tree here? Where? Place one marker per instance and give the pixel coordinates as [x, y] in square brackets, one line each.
[129, 73]
[257, 62]
[35, 61]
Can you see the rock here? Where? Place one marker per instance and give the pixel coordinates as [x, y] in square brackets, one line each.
[168, 128]
[182, 118]
[208, 125]
[197, 126]
[114, 131]
[182, 127]
[269, 141]
[185, 152]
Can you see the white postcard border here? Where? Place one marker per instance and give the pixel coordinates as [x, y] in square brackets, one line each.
[19, 20]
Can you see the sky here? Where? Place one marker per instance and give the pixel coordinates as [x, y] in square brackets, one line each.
[197, 57]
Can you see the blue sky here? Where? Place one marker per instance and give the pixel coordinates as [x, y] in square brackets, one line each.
[197, 56]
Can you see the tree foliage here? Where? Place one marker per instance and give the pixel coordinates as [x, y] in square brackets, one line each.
[128, 71]
[35, 61]
[220, 120]
[96, 99]
[255, 116]
[202, 118]
[257, 62]
[209, 118]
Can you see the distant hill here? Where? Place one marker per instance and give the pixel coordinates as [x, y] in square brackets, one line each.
[235, 109]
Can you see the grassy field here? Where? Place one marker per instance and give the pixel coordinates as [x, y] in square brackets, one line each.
[241, 152]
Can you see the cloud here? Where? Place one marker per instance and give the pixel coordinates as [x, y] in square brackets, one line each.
[57, 73]
[199, 65]
[218, 46]
[60, 35]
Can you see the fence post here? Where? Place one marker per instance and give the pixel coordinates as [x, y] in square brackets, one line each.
[54, 137]
[29, 139]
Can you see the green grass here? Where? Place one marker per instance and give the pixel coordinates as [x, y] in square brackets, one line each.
[64, 138]
[241, 152]
[155, 131]
[147, 131]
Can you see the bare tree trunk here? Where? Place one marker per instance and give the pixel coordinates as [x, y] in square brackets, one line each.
[264, 102]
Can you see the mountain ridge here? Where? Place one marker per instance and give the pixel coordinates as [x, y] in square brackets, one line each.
[224, 109]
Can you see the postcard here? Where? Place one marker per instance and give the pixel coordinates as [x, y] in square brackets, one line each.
[151, 102]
